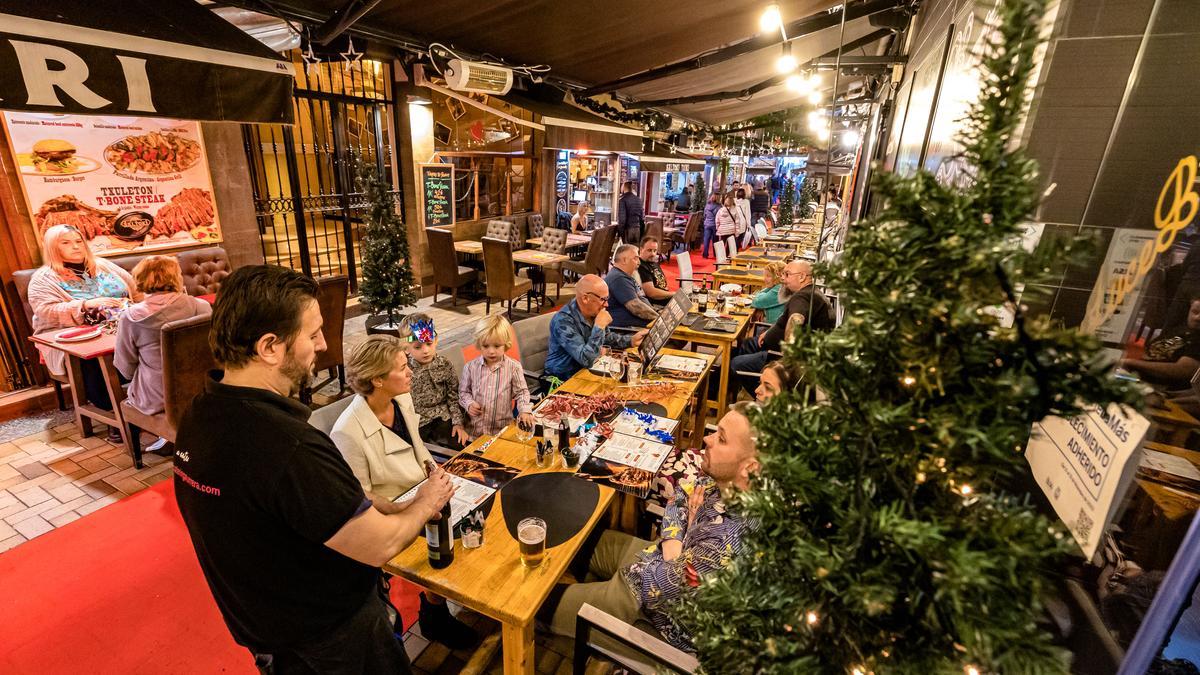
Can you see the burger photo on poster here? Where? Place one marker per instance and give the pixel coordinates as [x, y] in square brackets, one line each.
[54, 155]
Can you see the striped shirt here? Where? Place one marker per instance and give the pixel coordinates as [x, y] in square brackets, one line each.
[494, 388]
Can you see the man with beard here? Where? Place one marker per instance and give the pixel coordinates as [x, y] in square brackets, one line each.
[638, 580]
[289, 543]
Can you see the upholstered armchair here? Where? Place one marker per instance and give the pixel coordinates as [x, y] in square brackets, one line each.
[448, 275]
[502, 283]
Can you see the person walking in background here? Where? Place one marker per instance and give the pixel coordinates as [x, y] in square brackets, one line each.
[684, 203]
[729, 221]
[710, 222]
[742, 201]
[760, 203]
[630, 214]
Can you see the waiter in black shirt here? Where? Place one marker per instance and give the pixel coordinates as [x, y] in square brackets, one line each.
[289, 544]
[807, 307]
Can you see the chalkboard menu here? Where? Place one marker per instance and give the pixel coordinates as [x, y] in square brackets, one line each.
[437, 194]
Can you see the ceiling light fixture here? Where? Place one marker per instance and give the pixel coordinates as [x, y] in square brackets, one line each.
[786, 63]
[770, 19]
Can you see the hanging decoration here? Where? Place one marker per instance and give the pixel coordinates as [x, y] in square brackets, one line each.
[648, 120]
[308, 56]
[350, 56]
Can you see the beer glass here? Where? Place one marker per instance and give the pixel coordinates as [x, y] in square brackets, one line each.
[524, 432]
[531, 534]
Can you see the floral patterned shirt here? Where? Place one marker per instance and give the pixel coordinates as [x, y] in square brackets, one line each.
[435, 391]
[709, 542]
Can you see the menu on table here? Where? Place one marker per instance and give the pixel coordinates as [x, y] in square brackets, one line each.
[687, 367]
[627, 463]
[126, 184]
[1168, 468]
[633, 423]
[476, 479]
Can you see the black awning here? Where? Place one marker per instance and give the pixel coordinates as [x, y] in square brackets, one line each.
[569, 128]
[145, 58]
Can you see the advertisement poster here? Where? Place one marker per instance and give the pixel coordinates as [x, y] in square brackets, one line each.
[562, 181]
[1126, 245]
[126, 183]
[1083, 464]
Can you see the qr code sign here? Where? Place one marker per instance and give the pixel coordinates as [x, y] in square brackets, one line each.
[1083, 525]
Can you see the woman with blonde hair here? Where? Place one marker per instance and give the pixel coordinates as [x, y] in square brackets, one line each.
[773, 297]
[72, 288]
[379, 436]
[138, 354]
[579, 221]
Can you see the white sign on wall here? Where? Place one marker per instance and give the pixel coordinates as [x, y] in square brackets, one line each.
[1084, 466]
[1126, 245]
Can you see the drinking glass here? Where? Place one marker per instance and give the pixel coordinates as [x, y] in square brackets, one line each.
[531, 534]
[524, 432]
[616, 366]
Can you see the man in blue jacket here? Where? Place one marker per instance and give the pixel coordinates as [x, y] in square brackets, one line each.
[580, 329]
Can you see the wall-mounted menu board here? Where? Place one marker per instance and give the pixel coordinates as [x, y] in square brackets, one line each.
[437, 194]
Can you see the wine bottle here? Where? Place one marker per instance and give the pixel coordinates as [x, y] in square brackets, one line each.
[564, 435]
[702, 298]
[439, 536]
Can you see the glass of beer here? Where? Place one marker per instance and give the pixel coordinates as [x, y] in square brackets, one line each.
[531, 534]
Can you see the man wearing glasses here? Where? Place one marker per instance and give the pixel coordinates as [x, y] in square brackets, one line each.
[581, 328]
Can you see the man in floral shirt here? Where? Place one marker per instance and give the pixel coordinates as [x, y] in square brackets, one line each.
[640, 580]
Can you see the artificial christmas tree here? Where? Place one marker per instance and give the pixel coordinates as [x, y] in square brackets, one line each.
[808, 197]
[700, 196]
[895, 536]
[387, 278]
[787, 203]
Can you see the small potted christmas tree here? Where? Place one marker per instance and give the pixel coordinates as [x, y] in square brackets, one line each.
[387, 283]
[787, 203]
[700, 196]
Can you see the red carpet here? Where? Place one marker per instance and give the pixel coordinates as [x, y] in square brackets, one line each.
[120, 591]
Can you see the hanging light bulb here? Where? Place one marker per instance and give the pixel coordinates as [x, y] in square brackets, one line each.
[815, 97]
[797, 84]
[850, 139]
[822, 134]
[786, 63]
[770, 19]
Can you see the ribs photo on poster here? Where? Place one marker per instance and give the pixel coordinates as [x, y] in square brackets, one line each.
[481, 470]
[154, 153]
[190, 211]
[68, 210]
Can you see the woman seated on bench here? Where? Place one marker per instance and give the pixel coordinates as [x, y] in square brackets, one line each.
[74, 288]
[138, 354]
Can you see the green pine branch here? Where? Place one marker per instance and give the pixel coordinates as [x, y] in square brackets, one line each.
[896, 535]
[787, 204]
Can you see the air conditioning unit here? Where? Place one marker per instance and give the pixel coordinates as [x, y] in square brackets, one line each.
[483, 78]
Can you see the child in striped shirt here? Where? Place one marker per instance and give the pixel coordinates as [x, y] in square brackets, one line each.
[492, 381]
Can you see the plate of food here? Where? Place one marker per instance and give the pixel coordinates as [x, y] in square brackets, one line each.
[78, 334]
[153, 153]
[54, 157]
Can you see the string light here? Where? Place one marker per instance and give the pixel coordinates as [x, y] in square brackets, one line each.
[971, 670]
[811, 618]
[965, 491]
[908, 380]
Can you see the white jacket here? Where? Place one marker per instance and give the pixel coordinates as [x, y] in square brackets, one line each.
[383, 463]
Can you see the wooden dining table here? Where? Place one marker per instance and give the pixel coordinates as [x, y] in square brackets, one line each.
[491, 579]
[574, 240]
[725, 344]
[749, 279]
[100, 348]
[469, 246]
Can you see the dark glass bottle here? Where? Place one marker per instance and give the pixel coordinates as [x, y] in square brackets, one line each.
[439, 536]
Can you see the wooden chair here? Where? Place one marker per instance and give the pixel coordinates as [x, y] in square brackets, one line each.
[502, 283]
[688, 236]
[654, 655]
[20, 288]
[554, 241]
[654, 228]
[599, 251]
[186, 359]
[331, 298]
[533, 341]
[447, 273]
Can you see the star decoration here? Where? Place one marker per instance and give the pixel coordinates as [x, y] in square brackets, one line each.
[311, 60]
[350, 56]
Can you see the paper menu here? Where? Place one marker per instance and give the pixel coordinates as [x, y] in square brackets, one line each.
[1167, 463]
[628, 423]
[468, 496]
[634, 451]
[685, 364]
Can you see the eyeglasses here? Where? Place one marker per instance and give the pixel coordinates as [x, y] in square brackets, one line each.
[602, 299]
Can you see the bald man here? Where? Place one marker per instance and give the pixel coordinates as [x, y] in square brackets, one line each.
[811, 310]
[640, 580]
[581, 328]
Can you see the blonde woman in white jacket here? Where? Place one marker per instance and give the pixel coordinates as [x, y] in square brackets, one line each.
[379, 437]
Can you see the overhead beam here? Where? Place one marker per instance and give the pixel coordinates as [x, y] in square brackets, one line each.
[341, 20]
[772, 81]
[805, 26]
[859, 61]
